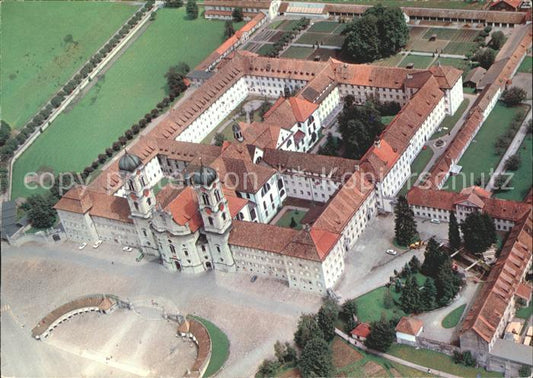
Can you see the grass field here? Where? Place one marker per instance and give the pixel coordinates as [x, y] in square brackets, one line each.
[523, 177]
[452, 319]
[131, 87]
[480, 157]
[391, 61]
[525, 312]
[437, 361]
[418, 61]
[285, 220]
[324, 27]
[311, 38]
[36, 60]
[220, 347]
[459, 48]
[297, 52]
[526, 65]
[370, 305]
[460, 64]
[441, 33]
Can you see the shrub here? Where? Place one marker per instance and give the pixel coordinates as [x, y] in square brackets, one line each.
[128, 134]
[116, 146]
[95, 164]
[513, 96]
[135, 128]
[512, 163]
[109, 151]
[123, 140]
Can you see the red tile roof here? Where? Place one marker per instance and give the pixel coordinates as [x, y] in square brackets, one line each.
[503, 281]
[362, 330]
[184, 209]
[409, 326]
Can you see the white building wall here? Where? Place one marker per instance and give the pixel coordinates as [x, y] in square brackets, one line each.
[78, 227]
[122, 233]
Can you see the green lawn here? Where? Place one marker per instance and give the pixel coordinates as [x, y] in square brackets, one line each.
[370, 305]
[275, 24]
[132, 87]
[480, 157]
[36, 61]
[449, 121]
[526, 65]
[220, 347]
[285, 220]
[391, 61]
[312, 38]
[441, 33]
[417, 167]
[523, 177]
[460, 64]
[417, 60]
[459, 48]
[387, 119]
[437, 361]
[452, 319]
[265, 49]
[324, 27]
[525, 312]
[297, 52]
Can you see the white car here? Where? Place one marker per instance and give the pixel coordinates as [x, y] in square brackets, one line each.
[436, 221]
[97, 244]
[127, 249]
[82, 245]
[391, 252]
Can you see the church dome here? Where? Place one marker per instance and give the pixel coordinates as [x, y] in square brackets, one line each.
[129, 162]
[204, 176]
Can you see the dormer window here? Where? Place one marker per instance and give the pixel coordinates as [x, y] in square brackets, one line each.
[217, 195]
[205, 198]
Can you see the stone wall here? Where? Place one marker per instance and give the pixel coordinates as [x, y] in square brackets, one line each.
[437, 346]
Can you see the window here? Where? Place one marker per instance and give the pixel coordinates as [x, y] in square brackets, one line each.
[130, 185]
[149, 201]
[172, 249]
[280, 183]
[205, 198]
[211, 221]
[136, 206]
[223, 215]
[217, 195]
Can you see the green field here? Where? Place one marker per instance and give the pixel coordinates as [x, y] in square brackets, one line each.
[220, 347]
[391, 61]
[297, 52]
[526, 65]
[459, 48]
[437, 361]
[460, 64]
[324, 27]
[36, 60]
[370, 306]
[417, 167]
[523, 177]
[132, 87]
[417, 60]
[441, 33]
[525, 312]
[285, 220]
[480, 157]
[452, 319]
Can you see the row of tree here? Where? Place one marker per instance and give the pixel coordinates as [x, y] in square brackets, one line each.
[10, 145]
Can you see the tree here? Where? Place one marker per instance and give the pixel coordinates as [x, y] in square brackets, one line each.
[5, 132]
[405, 225]
[327, 316]
[502, 183]
[316, 359]
[307, 329]
[479, 232]
[41, 213]
[293, 223]
[434, 257]
[525, 371]
[414, 264]
[268, 368]
[497, 39]
[173, 3]
[454, 237]
[174, 78]
[219, 139]
[229, 30]
[191, 9]
[410, 298]
[513, 162]
[428, 295]
[380, 32]
[359, 126]
[447, 283]
[513, 96]
[237, 14]
[388, 302]
[265, 106]
[330, 148]
[486, 57]
[382, 334]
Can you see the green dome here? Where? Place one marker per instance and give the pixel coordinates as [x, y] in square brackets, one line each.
[204, 176]
[129, 162]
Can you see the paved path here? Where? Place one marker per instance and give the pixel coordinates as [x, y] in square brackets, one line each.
[511, 150]
[420, 53]
[393, 358]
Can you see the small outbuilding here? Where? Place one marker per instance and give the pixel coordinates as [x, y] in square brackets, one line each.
[361, 332]
[474, 77]
[408, 329]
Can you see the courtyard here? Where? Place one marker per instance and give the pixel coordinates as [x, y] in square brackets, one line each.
[131, 87]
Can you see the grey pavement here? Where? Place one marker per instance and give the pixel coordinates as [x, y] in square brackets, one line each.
[511, 150]
[420, 53]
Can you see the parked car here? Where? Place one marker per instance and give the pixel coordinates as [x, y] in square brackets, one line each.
[140, 257]
[127, 249]
[97, 244]
[391, 252]
[253, 279]
[436, 221]
[82, 245]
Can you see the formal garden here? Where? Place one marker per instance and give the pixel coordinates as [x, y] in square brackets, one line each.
[130, 88]
[44, 43]
[219, 347]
